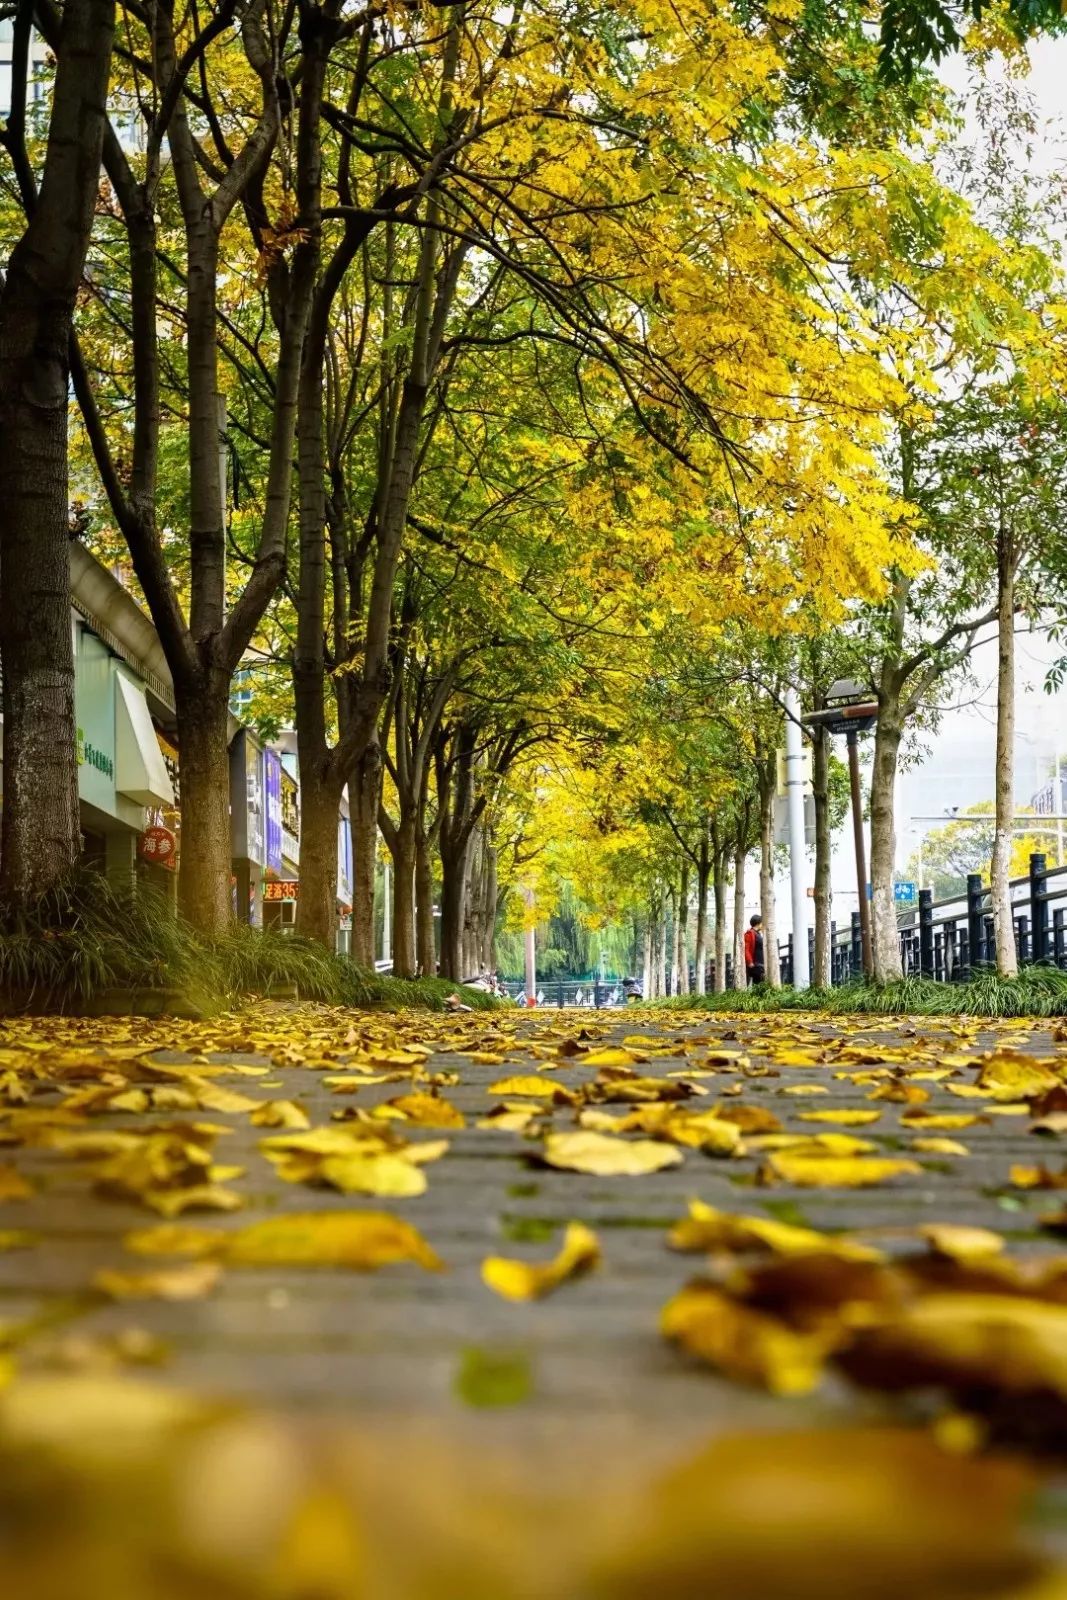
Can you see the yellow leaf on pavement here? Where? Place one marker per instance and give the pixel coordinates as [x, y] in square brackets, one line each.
[845, 1117]
[356, 1239]
[610, 1056]
[13, 1186]
[743, 1343]
[939, 1147]
[706, 1229]
[608, 1157]
[993, 1342]
[535, 1088]
[280, 1114]
[1025, 1177]
[428, 1111]
[379, 1175]
[523, 1280]
[1009, 1075]
[961, 1243]
[835, 1172]
[813, 1145]
[943, 1121]
[195, 1197]
[174, 1239]
[359, 1239]
[187, 1282]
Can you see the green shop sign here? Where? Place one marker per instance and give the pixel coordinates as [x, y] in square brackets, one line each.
[90, 756]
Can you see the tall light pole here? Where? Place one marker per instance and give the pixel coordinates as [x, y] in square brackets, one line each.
[531, 949]
[849, 712]
[794, 793]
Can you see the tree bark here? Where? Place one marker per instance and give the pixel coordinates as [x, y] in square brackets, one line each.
[885, 939]
[364, 794]
[1000, 871]
[766, 885]
[700, 956]
[648, 974]
[820, 768]
[41, 836]
[402, 847]
[425, 949]
[661, 946]
[682, 927]
[740, 977]
[453, 911]
[204, 891]
[719, 870]
[320, 801]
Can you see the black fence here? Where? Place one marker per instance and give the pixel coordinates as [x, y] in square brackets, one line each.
[951, 940]
[600, 993]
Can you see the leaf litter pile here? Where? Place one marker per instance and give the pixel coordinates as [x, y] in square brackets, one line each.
[953, 1328]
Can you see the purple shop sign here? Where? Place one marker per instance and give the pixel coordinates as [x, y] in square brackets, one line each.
[272, 775]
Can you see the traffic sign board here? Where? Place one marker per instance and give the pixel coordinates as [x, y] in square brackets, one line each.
[905, 894]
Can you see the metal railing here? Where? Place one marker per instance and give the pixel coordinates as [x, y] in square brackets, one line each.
[951, 940]
[596, 992]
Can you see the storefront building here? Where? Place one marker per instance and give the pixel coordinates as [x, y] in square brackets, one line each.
[122, 776]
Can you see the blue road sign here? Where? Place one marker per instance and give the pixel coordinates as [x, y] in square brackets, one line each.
[905, 894]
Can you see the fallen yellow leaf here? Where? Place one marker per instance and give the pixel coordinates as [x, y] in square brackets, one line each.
[188, 1282]
[523, 1280]
[608, 1157]
[939, 1147]
[706, 1229]
[845, 1117]
[960, 1243]
[835, 1172]
[743, 1343]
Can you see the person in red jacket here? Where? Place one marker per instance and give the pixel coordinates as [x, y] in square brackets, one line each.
[755, 967]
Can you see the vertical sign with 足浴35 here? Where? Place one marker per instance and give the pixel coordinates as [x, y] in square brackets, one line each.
[272, 790]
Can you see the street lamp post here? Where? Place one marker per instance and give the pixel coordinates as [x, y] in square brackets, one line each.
[850, 713]
[794, 789]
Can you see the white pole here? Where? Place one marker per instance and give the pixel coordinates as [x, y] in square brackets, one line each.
[531, 950]
[798, 868]
[387, 918]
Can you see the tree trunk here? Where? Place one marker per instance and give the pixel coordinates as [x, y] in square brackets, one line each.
[700, 954]
[316, 913]
[682, 927]
[740, 978]
[424, 934]
[766, 887]
[884, 936]
[1000, 874]
[364, 791]
[492, 891]
[820, 769]
[402, 847]
[453, 912]
[204, 893]
[41, 830]
[674, 960]
[661, 948]
[719, 869]
[648, 973]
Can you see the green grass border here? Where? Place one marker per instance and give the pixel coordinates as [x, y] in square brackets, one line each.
[89, 938]
[1036, 992]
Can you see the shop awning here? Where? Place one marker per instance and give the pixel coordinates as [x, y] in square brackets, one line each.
[140, 772]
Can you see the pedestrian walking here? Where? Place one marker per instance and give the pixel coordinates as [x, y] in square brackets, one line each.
[755, 965]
